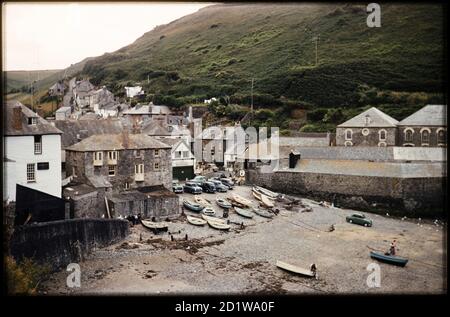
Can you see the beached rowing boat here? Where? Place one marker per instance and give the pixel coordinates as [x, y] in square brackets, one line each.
[295, 269]
[386, 258]
[241, 200]
[223, 203]
[202, 201]
[209, 211]
[218, 225]
[243, 212]
[271, 194]
[156, 227]
[192, 206]
[214, 219]
[266, 201]
[196, 221]
[262, 213]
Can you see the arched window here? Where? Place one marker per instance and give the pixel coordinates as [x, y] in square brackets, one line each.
[425, 135]
[441, 135]
[409, 135]
[382, 135]
[348, 134]
[348, 143]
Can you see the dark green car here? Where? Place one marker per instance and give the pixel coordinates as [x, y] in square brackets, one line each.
[359, 219]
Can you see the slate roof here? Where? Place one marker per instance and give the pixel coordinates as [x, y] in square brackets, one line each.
[378, 119]
[42, 126]
[430, 115]
[107, 142]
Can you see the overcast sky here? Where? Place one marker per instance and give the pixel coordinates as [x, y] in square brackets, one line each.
[54, 35]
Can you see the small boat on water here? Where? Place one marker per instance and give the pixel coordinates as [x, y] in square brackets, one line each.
[209, 211]
[266, 192]
[263, 213]
[295, 269]
[196, 221]
[243, 212]
[219, 225]
[192, 206]
[241, 200]
[202, 201]
[213, 219]
[387, 258]
[156, 227]
[223, 203]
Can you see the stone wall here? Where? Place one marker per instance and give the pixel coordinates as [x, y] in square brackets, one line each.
[59, 243]
[399, 196]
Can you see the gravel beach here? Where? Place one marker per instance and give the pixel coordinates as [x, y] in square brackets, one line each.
[242, 261]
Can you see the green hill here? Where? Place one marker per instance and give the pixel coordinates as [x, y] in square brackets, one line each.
[18, 78]
[218, 50]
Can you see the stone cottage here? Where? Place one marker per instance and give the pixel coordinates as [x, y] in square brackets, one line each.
[426, 127]
[125, 168]
[370, 128]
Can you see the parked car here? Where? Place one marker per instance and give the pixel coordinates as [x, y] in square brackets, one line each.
[208, 187]
[227, 182]
[219, 186]
[359, 219]
[192, 187]
[177, 187]
[199, 179]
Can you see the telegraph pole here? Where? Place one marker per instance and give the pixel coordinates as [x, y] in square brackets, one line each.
[316, 40]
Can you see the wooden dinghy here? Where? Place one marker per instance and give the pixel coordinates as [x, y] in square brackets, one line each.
[246, 213]
[241, 200]
[223, 203]
[295, 269]
[214, 219]
[156, 227]
[209, 211]
[257, 195]
[202, 201]
[266, 192]
[390, 259]
[266, 201]
[196, 221]
[219, 225]
[263, 213]
[192, 206]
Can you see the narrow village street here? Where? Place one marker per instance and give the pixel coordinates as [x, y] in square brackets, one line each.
[242, 261]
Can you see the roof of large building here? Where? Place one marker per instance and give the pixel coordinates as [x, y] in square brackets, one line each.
[76, 130]
[122, 141]
[430, 115]
[41, 127]
[371, 118]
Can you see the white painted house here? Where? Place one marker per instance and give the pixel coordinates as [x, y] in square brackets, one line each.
[183, 160]
[63, 113]
[32, 155]
[134, 91]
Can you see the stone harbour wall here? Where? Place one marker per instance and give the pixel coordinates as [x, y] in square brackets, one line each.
[413, 197]
[59, 243]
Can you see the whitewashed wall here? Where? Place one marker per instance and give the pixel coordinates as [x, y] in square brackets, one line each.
[21, 150]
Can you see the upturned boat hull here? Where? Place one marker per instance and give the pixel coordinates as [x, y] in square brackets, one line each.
[390, 259]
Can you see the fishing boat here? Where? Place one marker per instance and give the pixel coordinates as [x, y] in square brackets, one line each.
[263, 213]
[219, 225]
[223, 203]
[156, 227]
[266, 201]
[266, 192]
[213, 219]
[387, 258]
[241, 200]
[257, 195]
[209, 211]
[295, 269]
[192, 206]
[196, 221]
[202, 201]
[243, 212]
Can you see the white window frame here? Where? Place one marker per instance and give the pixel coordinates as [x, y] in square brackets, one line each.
[439, 141]
[113, 167]
[348, 143]
[31, 172]
[406, 133]
[156, 166]
[139, 169]
[156, 152]
[98, 158]
[425, 142]
[38, 145]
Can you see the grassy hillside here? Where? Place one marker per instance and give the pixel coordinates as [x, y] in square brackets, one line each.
[19, 78]
[216, 51]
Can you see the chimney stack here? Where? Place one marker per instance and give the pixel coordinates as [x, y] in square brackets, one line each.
[17, 118]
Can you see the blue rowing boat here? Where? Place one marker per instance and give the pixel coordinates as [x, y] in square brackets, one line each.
[391, 259]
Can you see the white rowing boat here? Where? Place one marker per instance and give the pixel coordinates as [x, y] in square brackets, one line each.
[295, 269]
